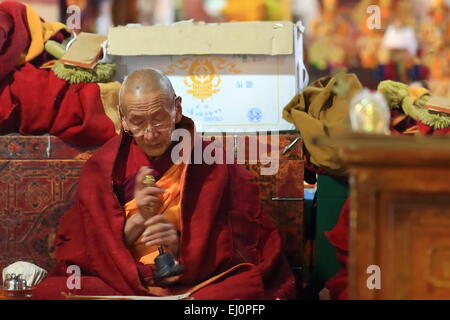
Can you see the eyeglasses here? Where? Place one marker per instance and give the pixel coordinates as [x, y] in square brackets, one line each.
[139, 131]
[158, 126]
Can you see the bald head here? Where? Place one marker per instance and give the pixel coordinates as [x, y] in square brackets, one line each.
[144, 82]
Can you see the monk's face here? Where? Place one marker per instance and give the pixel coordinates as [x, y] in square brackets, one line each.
[151, 119]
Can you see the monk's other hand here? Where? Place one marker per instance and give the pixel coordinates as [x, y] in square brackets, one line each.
[146, 197]
[160, 232]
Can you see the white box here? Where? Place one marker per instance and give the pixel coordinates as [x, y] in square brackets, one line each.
[233, 77]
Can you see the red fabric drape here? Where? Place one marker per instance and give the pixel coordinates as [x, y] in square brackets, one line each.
[427, 130]
[14, 35]
[34, 102]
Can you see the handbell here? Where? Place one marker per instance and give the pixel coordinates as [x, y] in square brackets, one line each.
[165, 263]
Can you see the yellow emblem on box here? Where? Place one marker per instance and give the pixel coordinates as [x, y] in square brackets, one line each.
[202, 78]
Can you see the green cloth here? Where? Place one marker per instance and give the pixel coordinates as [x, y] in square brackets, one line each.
[102, 73]
[331, 195]
[397, 95]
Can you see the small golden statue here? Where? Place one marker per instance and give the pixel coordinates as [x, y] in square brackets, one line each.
[149, 180]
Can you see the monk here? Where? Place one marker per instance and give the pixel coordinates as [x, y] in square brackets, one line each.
[207, 216]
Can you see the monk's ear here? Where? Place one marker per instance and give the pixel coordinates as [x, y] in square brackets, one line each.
[178, 110]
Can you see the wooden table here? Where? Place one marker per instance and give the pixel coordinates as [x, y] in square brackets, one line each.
[400, 215]
[15, 295]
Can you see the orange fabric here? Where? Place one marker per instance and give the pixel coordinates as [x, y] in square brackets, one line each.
[171, 181]
[40, 33]
[416, 93]
[48, 65]
[249, 10]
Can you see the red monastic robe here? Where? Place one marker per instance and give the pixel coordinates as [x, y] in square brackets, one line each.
[34, 102]
[223, 228]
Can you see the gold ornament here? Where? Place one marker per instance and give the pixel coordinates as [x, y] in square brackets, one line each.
[149, 180]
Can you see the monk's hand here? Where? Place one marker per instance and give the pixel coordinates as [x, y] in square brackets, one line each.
[160, 232]
[146, 197]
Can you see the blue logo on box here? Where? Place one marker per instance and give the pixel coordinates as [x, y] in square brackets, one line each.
[254, 115]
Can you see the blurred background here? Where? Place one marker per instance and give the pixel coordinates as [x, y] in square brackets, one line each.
[412, 43]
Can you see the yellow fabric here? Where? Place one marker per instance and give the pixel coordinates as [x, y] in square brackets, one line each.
[278, 10]
[170, 208]
[416, 93]
[40, 33]
[109, 93]
[248, 10]
[49, 64]
[318, 112]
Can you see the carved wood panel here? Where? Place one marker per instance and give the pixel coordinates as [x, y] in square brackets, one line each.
[400, 220]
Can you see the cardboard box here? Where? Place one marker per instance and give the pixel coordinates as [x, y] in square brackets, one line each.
[233, 77]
